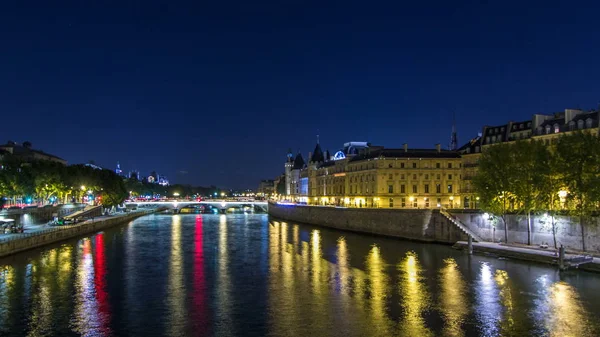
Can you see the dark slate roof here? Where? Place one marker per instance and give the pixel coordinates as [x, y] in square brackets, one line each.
[298, 162]
[593, 115]
[471, 145]
[411, 153]
[317, 155]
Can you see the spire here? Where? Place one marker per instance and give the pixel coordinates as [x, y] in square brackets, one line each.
[453, 138]
[317, 136]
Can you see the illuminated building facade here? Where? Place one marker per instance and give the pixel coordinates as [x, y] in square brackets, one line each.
[362, 175]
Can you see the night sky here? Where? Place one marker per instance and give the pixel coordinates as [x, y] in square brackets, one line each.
[216, 94]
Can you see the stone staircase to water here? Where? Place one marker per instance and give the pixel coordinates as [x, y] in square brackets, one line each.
[460, 225]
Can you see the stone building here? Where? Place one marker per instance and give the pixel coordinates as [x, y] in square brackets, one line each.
[26, 153]
[362, 175]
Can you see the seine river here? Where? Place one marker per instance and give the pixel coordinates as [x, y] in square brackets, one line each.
[242, 275]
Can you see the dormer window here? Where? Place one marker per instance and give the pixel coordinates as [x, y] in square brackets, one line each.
[580, 124]
[556, 128]
[547, 129]
[571, 125]
[588, 123]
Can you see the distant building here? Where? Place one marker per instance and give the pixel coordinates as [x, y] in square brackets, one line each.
[266, 187]
[162, 180]
[118, 170]
[94, 166]
[134, 174]
[26, 153]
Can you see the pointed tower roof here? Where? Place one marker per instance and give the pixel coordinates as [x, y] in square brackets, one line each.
[298, 162]
[327, 155]
[453, 146]
[317, 155]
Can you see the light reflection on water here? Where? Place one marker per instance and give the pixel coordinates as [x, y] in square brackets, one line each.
[193, 274]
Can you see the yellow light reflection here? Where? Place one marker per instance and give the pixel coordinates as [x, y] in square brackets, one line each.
[567, 316]
[378, 286]
[316, 261]
[415, 297]
[343, 265]
[224, 308]
[453, 298]
[176, 290]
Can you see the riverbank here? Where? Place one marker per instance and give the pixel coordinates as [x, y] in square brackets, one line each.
[546, 256]
[14, 243]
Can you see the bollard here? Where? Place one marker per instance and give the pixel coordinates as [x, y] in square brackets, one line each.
[470, 245]
[561, 257]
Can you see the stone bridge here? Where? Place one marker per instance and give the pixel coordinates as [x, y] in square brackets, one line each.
[220, 205]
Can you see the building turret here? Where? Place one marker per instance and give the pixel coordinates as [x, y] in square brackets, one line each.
[289, 163]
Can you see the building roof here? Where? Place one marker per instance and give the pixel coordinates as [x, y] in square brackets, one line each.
[409, 153]
[18, 149]
[298, 162]
[473, 146]
[317, 155]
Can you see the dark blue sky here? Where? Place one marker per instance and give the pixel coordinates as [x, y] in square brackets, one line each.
[221, 91]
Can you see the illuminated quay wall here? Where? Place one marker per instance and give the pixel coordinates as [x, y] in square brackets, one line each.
[414, 224]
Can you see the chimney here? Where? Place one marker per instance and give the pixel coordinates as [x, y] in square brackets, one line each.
[405, 145]
[438, 148]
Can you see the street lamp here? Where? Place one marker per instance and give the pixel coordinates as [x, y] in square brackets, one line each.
[175, 194]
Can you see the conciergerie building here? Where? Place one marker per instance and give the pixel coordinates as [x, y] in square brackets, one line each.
[363, 175]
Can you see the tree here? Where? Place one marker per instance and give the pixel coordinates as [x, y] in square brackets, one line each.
[529, 162]
[494, 181]
[577, 161]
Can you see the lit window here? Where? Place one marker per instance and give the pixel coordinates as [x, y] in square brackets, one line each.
[556, 128]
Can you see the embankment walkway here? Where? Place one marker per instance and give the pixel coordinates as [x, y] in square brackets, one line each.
[548, 256]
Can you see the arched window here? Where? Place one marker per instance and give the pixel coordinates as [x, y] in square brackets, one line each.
[571, 125]
[588, 123]
[547, 129]
[580, 124]
[556, 128]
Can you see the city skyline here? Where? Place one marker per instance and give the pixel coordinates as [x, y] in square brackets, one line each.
[216, 94]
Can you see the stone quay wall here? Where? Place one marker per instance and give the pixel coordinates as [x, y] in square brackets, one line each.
[414, 224]
[568, 231]
[56, 234]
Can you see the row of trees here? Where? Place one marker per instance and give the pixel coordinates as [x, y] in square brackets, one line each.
[528, 177]
[47, 181]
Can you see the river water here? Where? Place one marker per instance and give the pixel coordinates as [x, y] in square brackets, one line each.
[241, 275]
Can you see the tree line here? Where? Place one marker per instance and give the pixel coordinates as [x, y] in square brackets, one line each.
[45, 181]
[530, 177]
